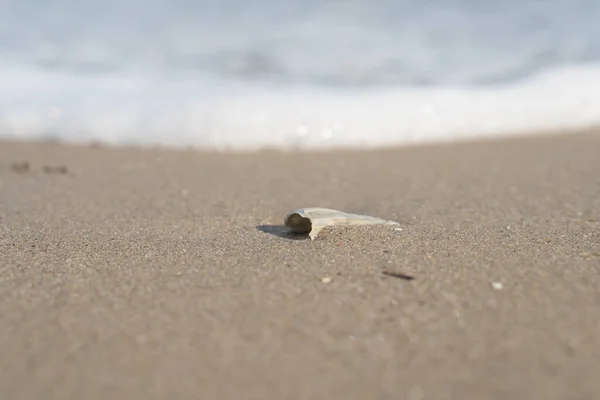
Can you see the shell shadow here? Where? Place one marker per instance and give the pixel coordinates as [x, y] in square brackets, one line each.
[282, 232]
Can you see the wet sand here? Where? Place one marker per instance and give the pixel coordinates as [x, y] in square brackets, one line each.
[154, 274]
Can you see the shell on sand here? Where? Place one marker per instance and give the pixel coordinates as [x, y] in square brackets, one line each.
[312, 220]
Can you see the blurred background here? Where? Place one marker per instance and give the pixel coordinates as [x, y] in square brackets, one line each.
[235, 74]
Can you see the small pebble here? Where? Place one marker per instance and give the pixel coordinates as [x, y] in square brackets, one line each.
[497, 285]
[20, 167]
[398, 229]
[60, 169]
[326, 279]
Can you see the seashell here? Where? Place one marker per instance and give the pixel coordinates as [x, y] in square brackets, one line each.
[312, 220]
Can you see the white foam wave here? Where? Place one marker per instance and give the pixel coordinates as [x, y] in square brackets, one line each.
[210, 114]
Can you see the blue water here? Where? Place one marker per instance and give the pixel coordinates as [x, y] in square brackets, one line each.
[295, 73]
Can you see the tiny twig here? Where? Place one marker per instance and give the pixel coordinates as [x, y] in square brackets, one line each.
[399, 275]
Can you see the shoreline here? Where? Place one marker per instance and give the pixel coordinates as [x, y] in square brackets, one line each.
[460, 139]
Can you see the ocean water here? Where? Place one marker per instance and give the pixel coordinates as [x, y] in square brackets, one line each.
[303, 74]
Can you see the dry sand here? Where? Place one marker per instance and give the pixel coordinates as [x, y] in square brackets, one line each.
[154, 274]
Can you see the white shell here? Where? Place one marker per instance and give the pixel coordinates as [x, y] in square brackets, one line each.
[312, 220]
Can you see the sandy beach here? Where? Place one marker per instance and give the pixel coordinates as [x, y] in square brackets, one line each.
[155, 274]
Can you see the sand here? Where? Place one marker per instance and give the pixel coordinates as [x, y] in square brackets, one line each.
[155, 274]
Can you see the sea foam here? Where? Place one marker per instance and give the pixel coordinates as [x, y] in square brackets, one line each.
[144, 109]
